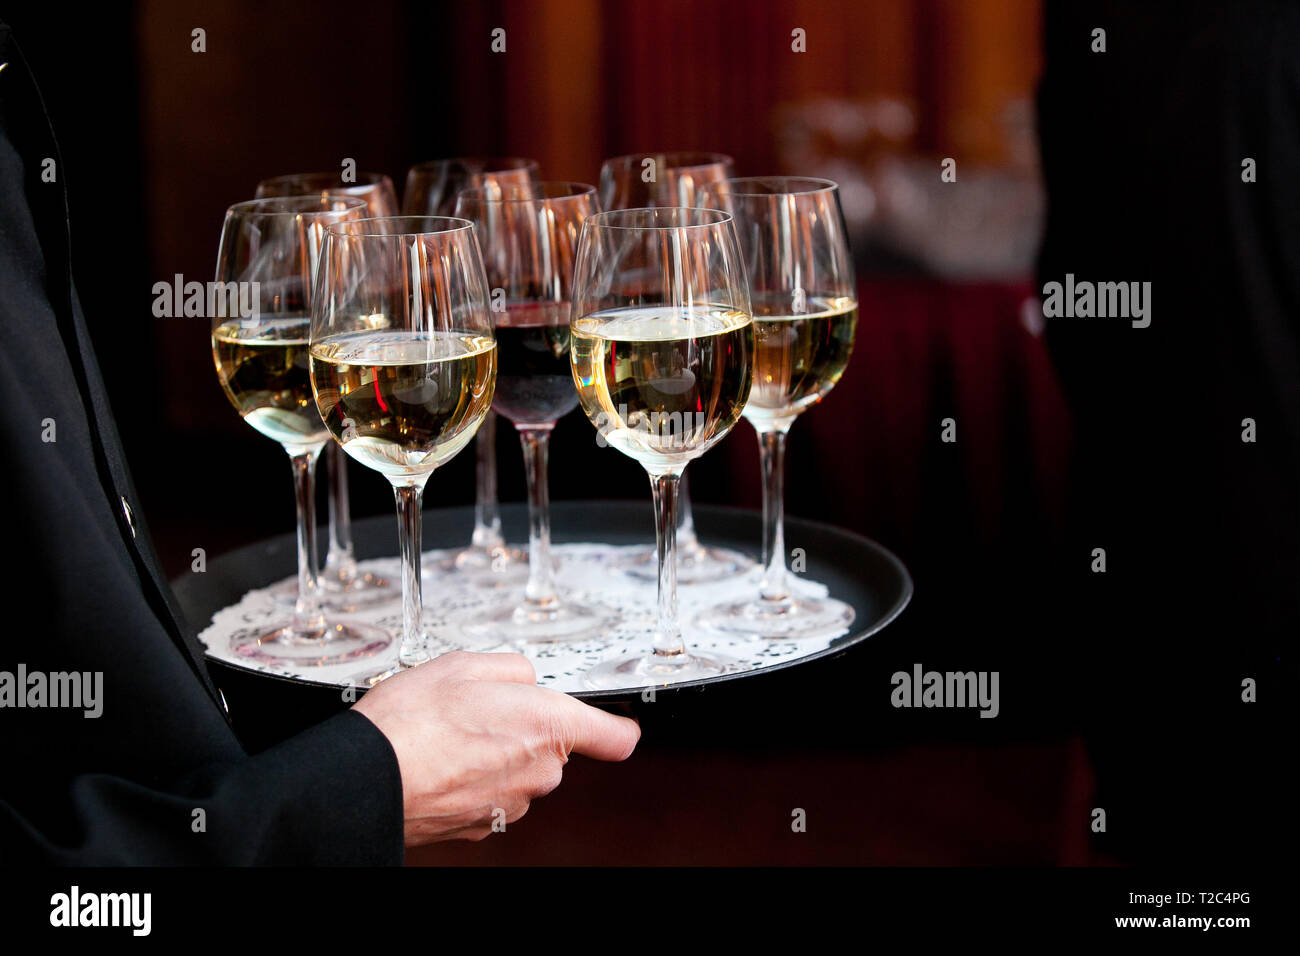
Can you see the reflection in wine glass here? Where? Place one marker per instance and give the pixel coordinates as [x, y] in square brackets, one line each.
[343, 586]
[403, 363]
[639, 180]
[273, 246]
[662, 349]
[796, 251]
[432, 189]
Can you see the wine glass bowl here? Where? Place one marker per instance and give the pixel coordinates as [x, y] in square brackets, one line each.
[639, 180]
[375, 189]
[433, 187]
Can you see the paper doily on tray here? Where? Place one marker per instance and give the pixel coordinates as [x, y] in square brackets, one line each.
[588, 573]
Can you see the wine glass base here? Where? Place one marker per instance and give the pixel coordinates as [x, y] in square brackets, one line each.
[503, 567]
[360, 590]
[339, 583]
[364, 590]
[499, 558]
[338, 643]
[629, 673]
[525, 624]
[702, 566]
[788, 620]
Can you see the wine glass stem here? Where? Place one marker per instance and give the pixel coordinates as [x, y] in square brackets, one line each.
[487, 516]
[308, 621]
[409, 516]
[541, 572]
[340, 561]
[688, 544]
[771, 450]
[668, 641]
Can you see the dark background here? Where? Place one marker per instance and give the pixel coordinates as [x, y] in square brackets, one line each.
[157, 141]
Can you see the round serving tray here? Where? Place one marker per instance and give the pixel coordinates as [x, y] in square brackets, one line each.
[855, 569]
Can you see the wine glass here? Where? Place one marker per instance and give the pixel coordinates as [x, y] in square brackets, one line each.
[341, 582]
[375, 188]
[403, 363]
[671, 179]
[271, 248]
[431, 190]
[529, 234]
[662, 352]
[639, 180]
[796, 250]
[433, 187]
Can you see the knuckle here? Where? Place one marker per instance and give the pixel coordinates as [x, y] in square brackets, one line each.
[525, 667]
[550, 726]
[454, 660]
[552, 776]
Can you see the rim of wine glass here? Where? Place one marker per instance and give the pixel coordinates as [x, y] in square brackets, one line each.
[815, 184]
[608, 219]
[480, 164]
[544, 191]
[330, 180]
[707, 158]
[311, 203]
[348, 229]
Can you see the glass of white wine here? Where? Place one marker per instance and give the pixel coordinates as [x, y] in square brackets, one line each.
[662, 351]
[343, 585]
[672, 178]
[800, 270]
[403, 363]
[432, 189]
[269, 254]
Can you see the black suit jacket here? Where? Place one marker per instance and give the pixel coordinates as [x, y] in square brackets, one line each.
[85, 593]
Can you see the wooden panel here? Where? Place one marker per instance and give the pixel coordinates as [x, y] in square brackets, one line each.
[556, 100]
[292, 92]
[992, 53]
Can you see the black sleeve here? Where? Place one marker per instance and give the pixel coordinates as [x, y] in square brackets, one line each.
[157, 775]
[329, 796]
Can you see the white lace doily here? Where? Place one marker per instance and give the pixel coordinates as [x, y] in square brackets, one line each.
[588, 574]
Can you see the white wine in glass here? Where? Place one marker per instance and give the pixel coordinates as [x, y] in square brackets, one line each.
[798, 358]
[406, 402]
[262, 366]
[662, 383]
